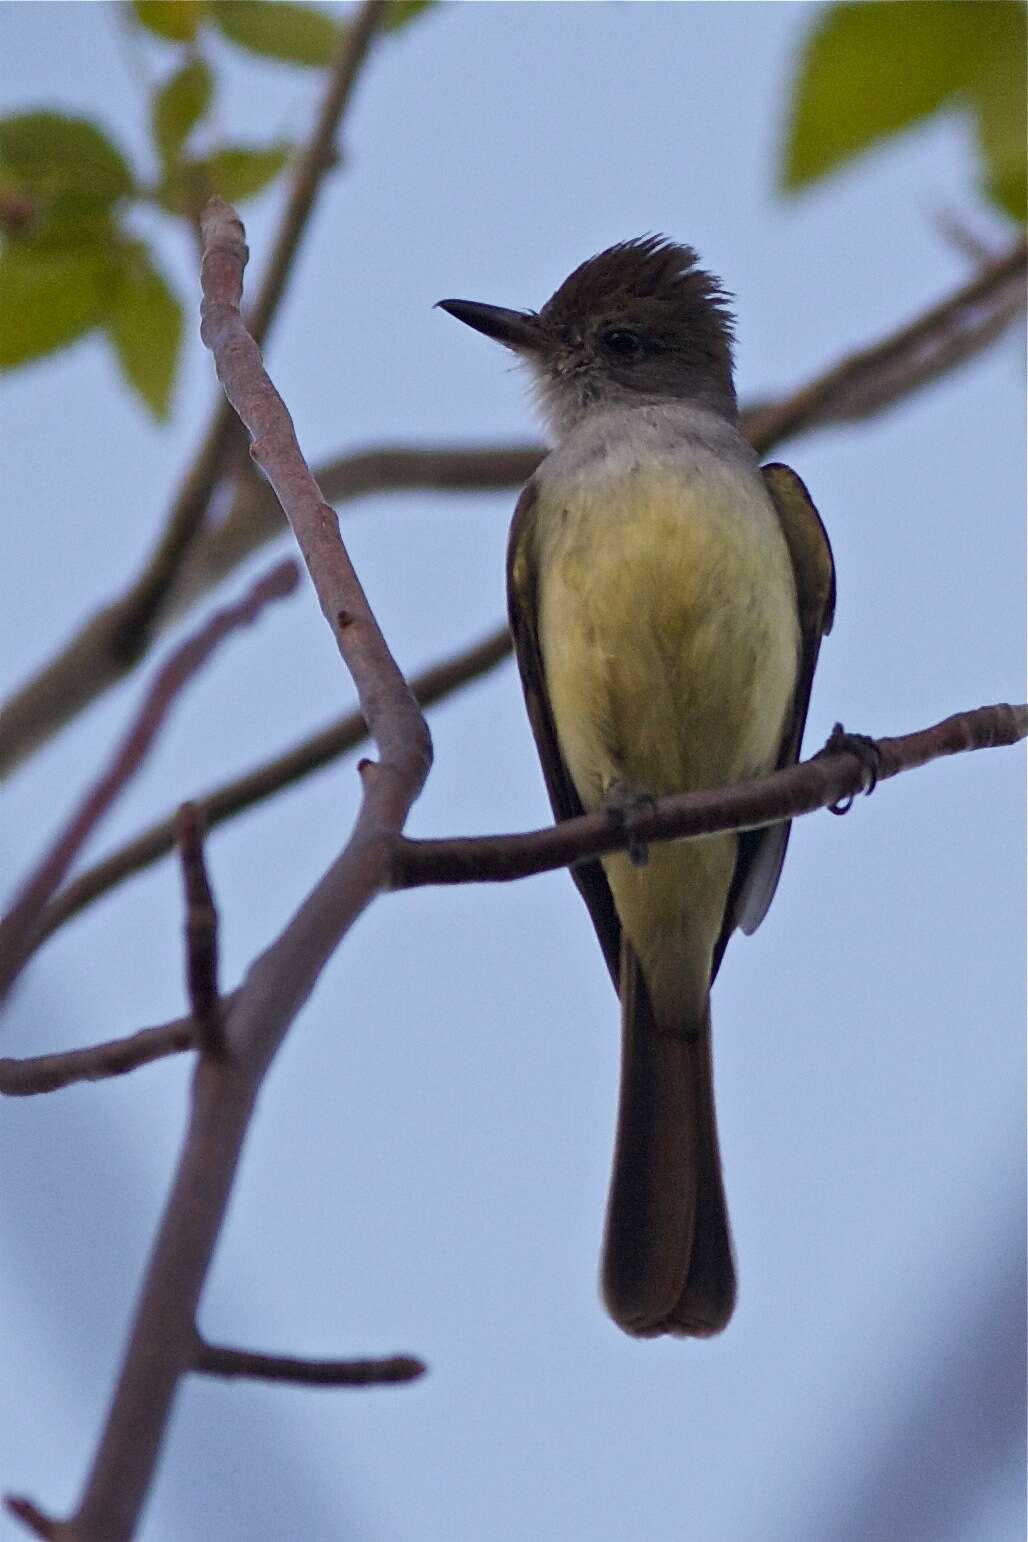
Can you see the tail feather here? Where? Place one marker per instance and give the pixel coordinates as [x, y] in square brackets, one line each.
[668, 1265]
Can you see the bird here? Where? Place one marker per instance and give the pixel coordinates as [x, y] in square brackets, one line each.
[667, 598]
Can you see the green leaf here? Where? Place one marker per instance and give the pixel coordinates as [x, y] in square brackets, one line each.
[236, 172]
[278, 29]
[178, 107]
[1001, 103]
[241, 171]
[52, 154]
[399, 12]
[869, 70]
[176, 20]
[49, 296]
[145, 326]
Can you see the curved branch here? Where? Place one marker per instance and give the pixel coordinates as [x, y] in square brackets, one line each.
[201, 933]
[828, 778]
[112, 641]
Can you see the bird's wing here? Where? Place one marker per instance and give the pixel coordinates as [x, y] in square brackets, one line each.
[523, 608]
[762, 852]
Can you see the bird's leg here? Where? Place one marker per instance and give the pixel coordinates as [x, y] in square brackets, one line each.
[867, 752]
[621, 803]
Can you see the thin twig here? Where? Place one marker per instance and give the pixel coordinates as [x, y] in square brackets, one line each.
[24, 1510]
[826, 779]
[48, 1073]
[254, 516]
[220, 1360]
[20, 927]
[112, 641]
[243, 792]
[355, 40]
[201, 929]
[874, 377]
[162, 1341]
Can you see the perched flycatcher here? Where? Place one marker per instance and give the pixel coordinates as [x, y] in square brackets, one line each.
[667, 598]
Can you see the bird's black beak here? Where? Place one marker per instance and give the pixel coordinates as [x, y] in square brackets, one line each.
[520, 330]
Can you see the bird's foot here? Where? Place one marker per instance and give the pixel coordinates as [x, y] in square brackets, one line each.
[622, 803]
[867, 752]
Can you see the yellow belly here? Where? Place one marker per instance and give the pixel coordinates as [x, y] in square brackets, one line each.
[669, 635]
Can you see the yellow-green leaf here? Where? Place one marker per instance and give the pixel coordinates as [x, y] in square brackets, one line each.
[1001, 103]
[869, 70]
[176, 20]
[278, 29]
[241, 171]
[399, 12]
[178, 107]
[49, 296]
[145, 326]
[236, 172]
[49, 153]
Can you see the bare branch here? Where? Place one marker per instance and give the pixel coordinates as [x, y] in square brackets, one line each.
[828, 778]
[31, 1515]
[875, 377]
[354, 42]
[112, 641]
[243, 792]
[20, 927]
[162, 1342]
[201, 928]
[48, 1073]
[219, 1360]
[255, 517]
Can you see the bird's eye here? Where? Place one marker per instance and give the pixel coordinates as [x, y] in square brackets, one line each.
[620, 340]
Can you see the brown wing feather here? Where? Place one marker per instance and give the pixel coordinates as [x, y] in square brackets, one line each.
[522, 605]
[762, 852]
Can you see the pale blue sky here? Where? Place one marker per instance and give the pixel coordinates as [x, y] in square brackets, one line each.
[428, 1168]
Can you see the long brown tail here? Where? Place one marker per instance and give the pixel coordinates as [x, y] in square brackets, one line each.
[667, 1259]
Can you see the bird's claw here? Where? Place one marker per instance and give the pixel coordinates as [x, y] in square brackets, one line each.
[621, 806]
[867, 752]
